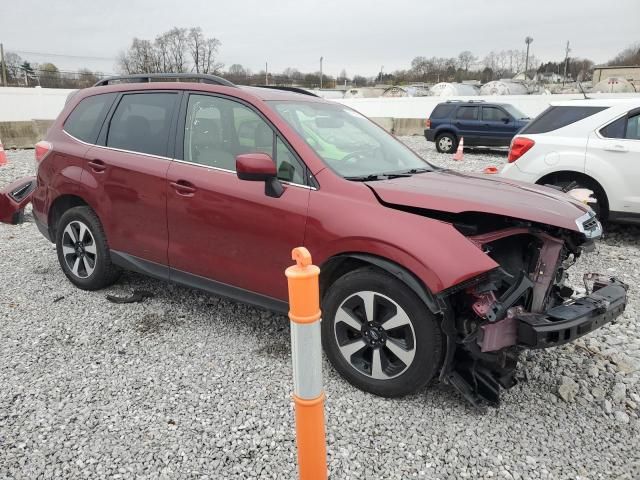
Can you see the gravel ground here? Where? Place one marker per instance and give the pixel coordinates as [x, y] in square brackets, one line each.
[187, 385]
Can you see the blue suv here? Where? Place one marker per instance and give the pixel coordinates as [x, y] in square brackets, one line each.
[480, 123]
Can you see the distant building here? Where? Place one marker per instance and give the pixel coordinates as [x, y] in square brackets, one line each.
[631, 73]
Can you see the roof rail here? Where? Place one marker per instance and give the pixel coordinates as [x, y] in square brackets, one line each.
[466, 101]
[289, 89]
[160, 77]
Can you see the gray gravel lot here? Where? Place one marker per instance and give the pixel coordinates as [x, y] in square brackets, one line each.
[187, 385]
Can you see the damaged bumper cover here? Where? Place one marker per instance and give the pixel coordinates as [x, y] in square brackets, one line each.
[559, 325]
[14, 197]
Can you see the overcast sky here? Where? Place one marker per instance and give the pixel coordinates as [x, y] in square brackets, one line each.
[359, 36]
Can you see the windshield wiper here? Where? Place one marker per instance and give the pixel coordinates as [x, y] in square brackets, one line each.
[377, 176]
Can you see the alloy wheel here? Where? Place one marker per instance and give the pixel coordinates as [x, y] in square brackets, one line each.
[375, 335]
[79, 249]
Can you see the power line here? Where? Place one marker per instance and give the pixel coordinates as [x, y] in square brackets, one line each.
[86, 57]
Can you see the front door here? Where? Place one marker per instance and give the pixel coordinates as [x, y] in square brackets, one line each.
[498, 127]
[222, 228]
[613, 157]
[126, 175]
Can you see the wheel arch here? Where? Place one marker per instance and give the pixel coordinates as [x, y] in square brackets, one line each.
[572, 175]
[338, 265]
[60, 205]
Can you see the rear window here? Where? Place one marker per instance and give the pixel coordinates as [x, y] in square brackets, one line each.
[442, 111]
[85, 121]
[556, 117]
[141, 123]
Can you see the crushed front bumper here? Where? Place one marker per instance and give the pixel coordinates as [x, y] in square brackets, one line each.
[565, 323]
[14, 197]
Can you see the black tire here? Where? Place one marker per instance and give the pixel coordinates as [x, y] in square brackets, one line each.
[427, 336]
[446, 143]
[98, 271]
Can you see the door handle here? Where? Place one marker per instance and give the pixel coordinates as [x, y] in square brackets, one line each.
[97, 165]
[183, 187]
[616, 148]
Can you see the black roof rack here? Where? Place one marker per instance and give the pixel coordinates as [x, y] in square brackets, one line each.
[289, 89]
[160, 77]
[466, 101]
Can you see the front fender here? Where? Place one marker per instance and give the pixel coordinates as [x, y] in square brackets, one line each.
[432, 250]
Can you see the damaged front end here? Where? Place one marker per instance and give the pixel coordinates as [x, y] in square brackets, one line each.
[525, 303]
[14, 198]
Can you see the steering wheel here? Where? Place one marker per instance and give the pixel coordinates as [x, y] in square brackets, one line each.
[356, 156]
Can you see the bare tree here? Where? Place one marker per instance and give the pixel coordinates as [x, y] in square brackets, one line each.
[466, 59]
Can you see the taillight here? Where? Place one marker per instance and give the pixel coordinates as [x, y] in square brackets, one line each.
[427, 123]
[42, 149]
[519, 146]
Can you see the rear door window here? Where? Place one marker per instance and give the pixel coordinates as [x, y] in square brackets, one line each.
[633, 128]
[85, 121]
[556, 117]
[467, 113]
[141, 123]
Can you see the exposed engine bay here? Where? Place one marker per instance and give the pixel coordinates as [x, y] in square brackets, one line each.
[525, 303]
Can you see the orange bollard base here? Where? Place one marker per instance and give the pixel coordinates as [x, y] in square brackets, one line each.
[312, 451]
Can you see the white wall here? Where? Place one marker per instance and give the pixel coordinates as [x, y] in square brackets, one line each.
[26, 104]
[421, 107]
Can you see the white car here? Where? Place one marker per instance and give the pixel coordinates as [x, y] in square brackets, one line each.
[592, 144]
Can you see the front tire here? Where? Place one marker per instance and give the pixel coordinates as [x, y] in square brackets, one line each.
[379, 335]
[82, 250]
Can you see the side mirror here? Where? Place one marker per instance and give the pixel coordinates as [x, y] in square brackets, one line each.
[506, 119]
[259, 167]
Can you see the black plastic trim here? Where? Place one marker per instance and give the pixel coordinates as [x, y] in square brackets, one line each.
[163, 272]
[565, 323]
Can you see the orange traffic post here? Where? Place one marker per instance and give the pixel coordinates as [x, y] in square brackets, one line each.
[3, 156]
[306, 355]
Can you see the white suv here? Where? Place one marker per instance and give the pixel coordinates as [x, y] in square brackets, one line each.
[592, 144]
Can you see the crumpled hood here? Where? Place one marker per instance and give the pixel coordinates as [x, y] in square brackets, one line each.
[454, 192]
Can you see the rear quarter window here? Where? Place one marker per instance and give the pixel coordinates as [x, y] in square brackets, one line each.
[86, 119]
[442, 111]
[556, 117]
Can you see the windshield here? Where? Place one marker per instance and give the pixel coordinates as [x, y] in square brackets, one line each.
[514, 112]
[350, 144]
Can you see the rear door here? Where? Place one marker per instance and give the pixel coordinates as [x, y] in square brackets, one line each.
[125, 174]
[467, 121]
[498, 126]
[613, 157]
[225, 229]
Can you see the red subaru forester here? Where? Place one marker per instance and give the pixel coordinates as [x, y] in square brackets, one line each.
[425, 271]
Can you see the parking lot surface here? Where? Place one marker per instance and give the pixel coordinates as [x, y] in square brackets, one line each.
[187, 385]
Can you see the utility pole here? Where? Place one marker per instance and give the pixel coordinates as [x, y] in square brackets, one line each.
[266, 73]
[321, 73]
[528, 40]
[4, 66]
[566, 62]
[381, 69]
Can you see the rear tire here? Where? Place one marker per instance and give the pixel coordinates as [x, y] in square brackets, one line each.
[379, 335]
[82, 249]
[446, 143]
